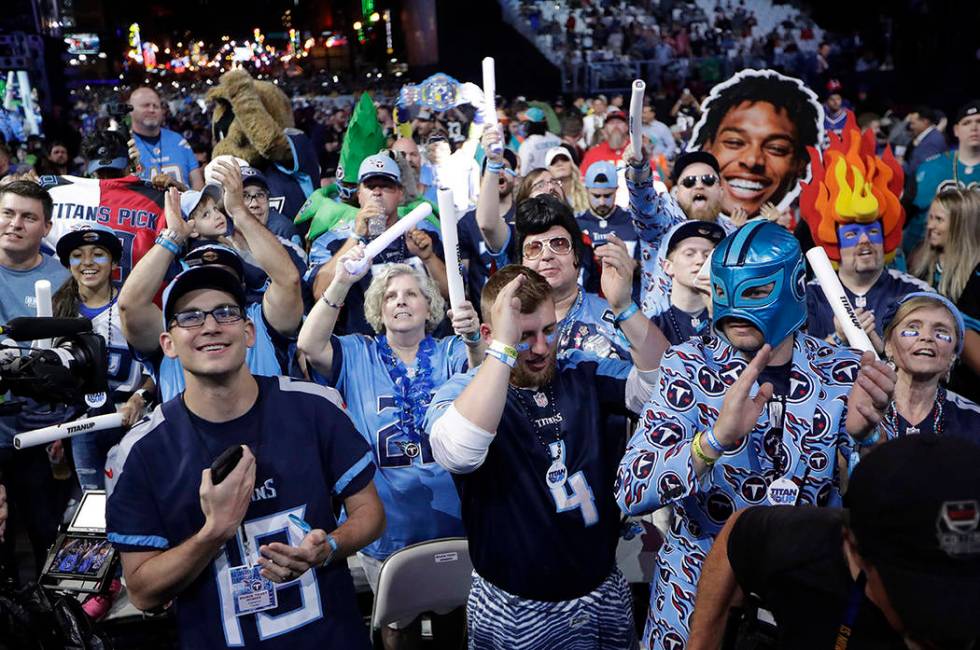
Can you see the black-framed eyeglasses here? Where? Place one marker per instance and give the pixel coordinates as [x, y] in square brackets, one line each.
[558, 246]
[258, 196]
[222, 314]
[707, 180]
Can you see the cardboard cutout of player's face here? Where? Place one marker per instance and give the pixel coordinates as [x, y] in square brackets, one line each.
[758, 125]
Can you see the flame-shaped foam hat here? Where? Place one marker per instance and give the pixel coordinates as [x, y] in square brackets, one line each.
[850, 184]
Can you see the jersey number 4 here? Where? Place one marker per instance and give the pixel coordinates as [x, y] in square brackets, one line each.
[573, 493]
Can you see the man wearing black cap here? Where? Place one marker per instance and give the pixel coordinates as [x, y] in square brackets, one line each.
[696, 194]
[276, 318]
[257, 554]
[256, 196]
[958, 169]
[687, 247]
[899, 568]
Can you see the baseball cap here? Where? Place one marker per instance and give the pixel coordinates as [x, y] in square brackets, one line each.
[107, 158]
[425, 115]
[379, 165]
[554, 152]
[214, 254]
[534, 114]
[252, 176]
[687, 229]
[914, 506]
[96, 235]
[688, 158]
[601, 175]
[190, 199]
[967, 109]
[615, 114]
[200, 277]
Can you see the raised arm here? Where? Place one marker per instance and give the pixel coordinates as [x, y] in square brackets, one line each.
[282, 302]
[142, 320]
[492, 226]
[314, 336]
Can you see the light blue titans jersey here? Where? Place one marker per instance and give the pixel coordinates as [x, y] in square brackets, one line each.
[419, 497]
[170, 155]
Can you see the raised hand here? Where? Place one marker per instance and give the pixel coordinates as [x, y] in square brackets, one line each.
[464, 320]
[506, 313]
[617, 273]
[870, 396]
[740, 412]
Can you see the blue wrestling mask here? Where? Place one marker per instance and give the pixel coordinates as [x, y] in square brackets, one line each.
[744, 265]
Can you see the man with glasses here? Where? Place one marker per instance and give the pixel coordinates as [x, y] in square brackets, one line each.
[256, 195]
[275, 319]
[379, 193]
[230, 552]
[525, 437]
[755, 414]
[696, 194]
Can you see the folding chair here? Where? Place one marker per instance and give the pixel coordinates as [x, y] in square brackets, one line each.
[431, 576]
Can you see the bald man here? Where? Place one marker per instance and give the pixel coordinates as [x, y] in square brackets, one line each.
[162, 151]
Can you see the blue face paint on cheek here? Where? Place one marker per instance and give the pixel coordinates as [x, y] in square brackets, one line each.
[850, 234]
[524, 347]
[909, 333]
[944, 337]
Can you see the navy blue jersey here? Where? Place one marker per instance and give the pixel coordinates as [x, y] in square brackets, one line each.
[525, 537]
[882, 295]
[269, 357]
[617, 222]
[307, 453]
[476, 259]
[325, 246]
[419, 497]
[953, 415]
[678, 326]
[290, 185]
[588, 326]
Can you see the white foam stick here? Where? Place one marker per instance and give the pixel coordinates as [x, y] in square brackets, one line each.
[490, 99]
[67, 430]
[834, 292]
[385, 239]
[42, 302]
[636, 116]
[450, 246]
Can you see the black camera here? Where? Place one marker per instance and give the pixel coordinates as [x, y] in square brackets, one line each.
[64, 374]
[118, 112]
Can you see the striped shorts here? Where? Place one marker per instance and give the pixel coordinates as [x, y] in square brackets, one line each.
[600, 620]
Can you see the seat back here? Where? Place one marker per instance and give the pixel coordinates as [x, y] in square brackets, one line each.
[431, 576]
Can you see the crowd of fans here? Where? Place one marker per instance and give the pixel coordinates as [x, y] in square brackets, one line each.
[354, 381]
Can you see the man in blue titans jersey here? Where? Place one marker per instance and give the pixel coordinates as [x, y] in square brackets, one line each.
[161, 150]
[525, 440]
[684, 252]
[276, 318]
[256, 560]
[756, 413]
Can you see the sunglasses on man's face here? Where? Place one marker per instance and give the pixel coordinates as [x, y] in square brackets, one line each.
[557, 245]
[707, 180]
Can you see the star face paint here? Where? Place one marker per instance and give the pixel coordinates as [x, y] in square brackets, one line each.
[850, 234]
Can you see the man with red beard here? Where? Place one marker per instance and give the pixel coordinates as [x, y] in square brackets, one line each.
[543, 539]
[615, 134]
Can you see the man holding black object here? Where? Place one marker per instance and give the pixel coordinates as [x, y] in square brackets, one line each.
[899, 568]
[231, 553]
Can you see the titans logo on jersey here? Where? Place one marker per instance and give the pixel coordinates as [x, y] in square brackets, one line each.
[657, 469]
[550, 530]
[306, 451]
[419, 497]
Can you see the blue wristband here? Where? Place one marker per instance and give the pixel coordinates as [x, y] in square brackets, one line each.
[495, 167]
[626, 315]
[333, 549]
[169, 245]
[501, 357]
[709, 437]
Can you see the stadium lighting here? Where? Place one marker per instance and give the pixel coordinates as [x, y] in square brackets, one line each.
[357, 25]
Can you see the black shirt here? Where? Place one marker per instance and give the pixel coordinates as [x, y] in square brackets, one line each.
[792, 558]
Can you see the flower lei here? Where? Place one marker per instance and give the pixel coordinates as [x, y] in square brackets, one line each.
[412, 395]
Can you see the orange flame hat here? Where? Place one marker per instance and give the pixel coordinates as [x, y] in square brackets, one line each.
[850, 184]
